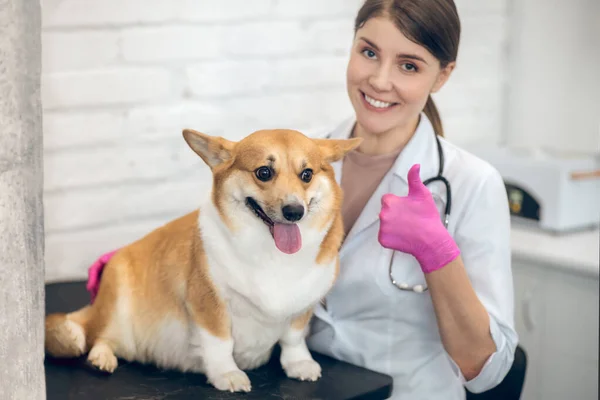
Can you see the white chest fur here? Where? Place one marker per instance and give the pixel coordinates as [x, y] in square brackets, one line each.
[264, 288]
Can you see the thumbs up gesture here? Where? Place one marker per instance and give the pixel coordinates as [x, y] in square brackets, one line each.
[412, 224]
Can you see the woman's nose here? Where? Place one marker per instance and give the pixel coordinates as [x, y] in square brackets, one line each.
[380, 79]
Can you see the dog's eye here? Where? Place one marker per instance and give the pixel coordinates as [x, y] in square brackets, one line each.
[264, 173]
[306, 175]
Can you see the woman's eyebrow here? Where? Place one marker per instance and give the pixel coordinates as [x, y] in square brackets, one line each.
[411, 56]
[373, 45]
[401, 55]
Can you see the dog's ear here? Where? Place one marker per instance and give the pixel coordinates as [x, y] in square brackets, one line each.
[336, 149]
[214, 150]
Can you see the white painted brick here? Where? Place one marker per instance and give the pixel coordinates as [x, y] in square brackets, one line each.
[330, 37]
[69, 255]
[85, 13]
[229, 10]
[160, 122]
[72, 209]
[115, 86]
[102, 166]
[172, 43]
[64, 51]
[70, 129]
[95, 207]
[317, 8]
[309, 72]
[180, 196]
[265, 38]
[294, 110]
[228, 77]
[84, 167]
[289, 38]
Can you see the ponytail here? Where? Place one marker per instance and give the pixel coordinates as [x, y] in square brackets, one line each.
[434, 116]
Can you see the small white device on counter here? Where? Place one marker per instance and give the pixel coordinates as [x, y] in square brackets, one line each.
[556, 192]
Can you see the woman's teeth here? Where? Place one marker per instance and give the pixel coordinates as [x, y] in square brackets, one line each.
[377, 103]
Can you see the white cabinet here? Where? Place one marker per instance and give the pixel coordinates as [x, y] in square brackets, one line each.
[556, 317]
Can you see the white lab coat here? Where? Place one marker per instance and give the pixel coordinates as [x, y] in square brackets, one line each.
[369, 322]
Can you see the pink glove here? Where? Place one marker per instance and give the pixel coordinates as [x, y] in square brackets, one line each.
[95, 272]
[412, 225]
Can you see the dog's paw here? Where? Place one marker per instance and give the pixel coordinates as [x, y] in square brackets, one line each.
[102, 358]
[234, 381]
[305, 370]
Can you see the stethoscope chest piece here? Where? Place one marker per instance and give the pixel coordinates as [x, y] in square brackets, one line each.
[405, 286]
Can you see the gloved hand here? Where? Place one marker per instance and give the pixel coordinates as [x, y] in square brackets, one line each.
[412, 224]
[94, 273]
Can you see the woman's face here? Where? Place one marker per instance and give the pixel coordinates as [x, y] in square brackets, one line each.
[390, 77]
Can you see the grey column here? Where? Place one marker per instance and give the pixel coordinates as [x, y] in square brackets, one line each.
[21, 209]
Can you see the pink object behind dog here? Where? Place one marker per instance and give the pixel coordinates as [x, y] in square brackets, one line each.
[95, 272]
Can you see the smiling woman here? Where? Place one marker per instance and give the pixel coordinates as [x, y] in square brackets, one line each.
[459, 333]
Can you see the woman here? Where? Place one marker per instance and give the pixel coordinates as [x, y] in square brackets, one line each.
[453, 326]
[460, 331]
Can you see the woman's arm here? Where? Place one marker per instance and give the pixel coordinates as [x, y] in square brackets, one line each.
[482, 232]
[469, 273]
[463, 321]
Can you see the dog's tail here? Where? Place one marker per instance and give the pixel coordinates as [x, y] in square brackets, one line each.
[65, 333]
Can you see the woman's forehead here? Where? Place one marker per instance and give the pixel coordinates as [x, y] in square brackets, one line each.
[385, 35]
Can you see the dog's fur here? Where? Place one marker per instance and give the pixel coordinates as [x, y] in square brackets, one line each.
[210, 292]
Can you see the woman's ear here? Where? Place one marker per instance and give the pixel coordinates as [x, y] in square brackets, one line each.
[443, 76]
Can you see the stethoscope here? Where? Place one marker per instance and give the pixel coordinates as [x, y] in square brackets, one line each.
[439, 177]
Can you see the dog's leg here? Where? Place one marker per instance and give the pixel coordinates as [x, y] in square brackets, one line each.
[211, 338]
[101, 356]
[65, 333]
[296, 360]
[220, 367]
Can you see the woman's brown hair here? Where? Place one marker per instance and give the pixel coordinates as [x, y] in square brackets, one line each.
[433, 24]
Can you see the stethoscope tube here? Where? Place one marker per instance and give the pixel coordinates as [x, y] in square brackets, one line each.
[439, 177]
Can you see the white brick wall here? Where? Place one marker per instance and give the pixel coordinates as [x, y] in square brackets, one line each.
[122, 78]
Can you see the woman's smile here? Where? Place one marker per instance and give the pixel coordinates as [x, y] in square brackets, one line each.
[375, 104]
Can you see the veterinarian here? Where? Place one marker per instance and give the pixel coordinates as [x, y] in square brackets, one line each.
[431, 306]
[425, 287]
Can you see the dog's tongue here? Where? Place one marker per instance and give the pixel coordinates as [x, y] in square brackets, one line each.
[287, 237]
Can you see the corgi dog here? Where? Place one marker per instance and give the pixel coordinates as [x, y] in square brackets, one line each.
[215, 290]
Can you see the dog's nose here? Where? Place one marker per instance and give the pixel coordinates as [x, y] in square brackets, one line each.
[293, 212]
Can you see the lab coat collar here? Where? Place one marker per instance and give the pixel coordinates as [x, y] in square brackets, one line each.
[420, 149]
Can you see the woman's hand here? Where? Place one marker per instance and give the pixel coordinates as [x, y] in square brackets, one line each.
[412, 224]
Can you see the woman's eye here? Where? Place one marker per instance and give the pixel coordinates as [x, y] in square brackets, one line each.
[368, 53]
[264, 173]
[409, 67]
[306, 175]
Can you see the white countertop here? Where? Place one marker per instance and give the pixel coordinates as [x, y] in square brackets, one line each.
[577, 252]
